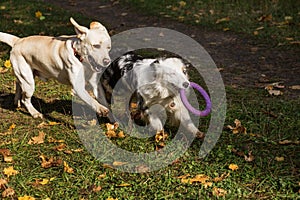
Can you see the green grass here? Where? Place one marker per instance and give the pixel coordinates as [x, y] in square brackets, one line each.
[274, 22]
[268, 120]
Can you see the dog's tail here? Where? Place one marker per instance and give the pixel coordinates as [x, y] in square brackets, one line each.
[8, 39]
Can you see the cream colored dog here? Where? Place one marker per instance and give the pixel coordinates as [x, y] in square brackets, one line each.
[64, 58]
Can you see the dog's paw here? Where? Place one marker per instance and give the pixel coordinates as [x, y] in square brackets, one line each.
[38, 115]
[200, 135]
[103, 111]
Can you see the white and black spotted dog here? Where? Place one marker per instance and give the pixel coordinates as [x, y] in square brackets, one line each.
[153, 81]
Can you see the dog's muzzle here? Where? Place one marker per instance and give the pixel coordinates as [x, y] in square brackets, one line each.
[106, 62]
[97, 67]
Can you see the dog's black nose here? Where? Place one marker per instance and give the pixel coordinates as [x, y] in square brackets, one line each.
[106, 61]
[186, 84]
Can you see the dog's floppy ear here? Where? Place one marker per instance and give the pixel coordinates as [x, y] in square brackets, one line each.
[97, 25]
[81, 31]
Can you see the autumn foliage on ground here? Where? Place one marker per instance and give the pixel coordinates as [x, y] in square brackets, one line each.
[256, 157]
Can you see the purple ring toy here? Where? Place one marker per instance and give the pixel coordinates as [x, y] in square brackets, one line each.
[193, 110]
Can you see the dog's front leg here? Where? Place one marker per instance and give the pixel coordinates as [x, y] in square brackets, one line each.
[182, 116]
[79, 89]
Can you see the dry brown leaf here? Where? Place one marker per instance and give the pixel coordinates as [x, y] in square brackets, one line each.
[77, 150]
[60, 147]
[160, 136]
[6, 155]
[51, 162]
[219, 192]
[221, 178]
[45, 124]
[107, 166]
[249, 157]
[67, 168]
[265, 18]
[142, 169]
[275, 92]
[10, 171]
[225, 19]
[92, 122]
[101, 176]
[39, 182]
[111, 134]
[3, 70]
[3, 183]
[295, 87]
[8, 192]
[124, 185]
[97, 188]
[238, 127]
[113, 127]
[52, 140]
[200, 178]
[117, 163]
[38, 139]
[184, 176]
[207, 184]
[288, 142]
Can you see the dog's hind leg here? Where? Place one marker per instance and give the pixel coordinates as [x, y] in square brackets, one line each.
[25, 85]
[18, 95]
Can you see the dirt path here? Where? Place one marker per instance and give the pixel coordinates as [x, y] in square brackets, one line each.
[244, 63]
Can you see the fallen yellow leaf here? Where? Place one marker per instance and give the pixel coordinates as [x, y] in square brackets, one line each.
[121, 134]
[124, 185]
[44, 124]
[26, 198]
[101, 176]
[117, 163]
[67, 168]
[233, 167]
[7, 64]
[9, 171]
[225, 19]
[12, 127]
[279, 159]
[38, 14]
[182, 3]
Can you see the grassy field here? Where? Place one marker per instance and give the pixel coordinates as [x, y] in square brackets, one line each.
[259, 163]
[275, 22]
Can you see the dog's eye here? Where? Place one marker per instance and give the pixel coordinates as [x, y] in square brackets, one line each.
[97, 46]
[184, 71]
